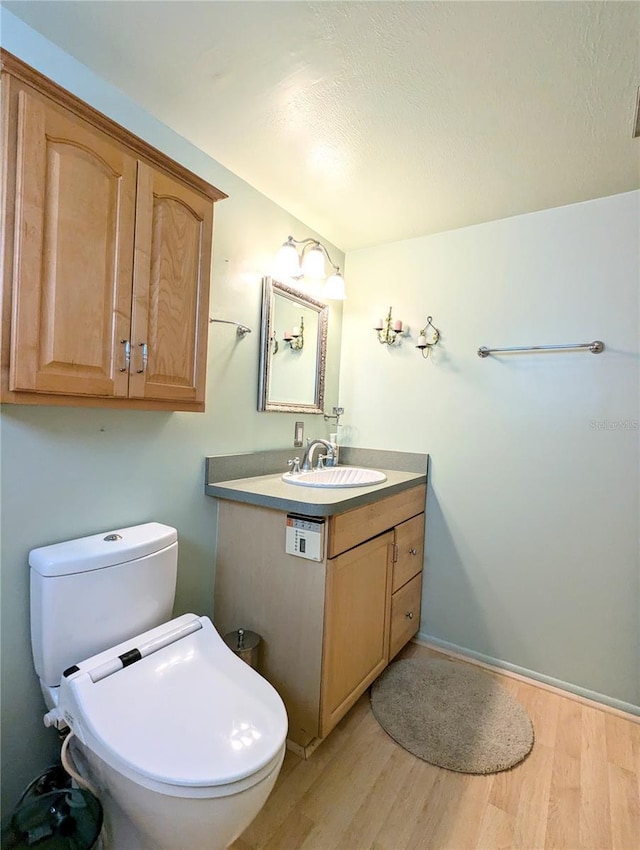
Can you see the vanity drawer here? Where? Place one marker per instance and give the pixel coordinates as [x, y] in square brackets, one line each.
[405, 614]
[353, 527]
[409, 552]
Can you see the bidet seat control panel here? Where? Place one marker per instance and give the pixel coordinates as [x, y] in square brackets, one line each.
[305, 537]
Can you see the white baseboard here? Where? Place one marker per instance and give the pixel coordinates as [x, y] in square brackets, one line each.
[540, 679]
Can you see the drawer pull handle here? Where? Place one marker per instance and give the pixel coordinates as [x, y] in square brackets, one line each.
[145, 356]
[409, 615]
[127, 355]
[413, 551]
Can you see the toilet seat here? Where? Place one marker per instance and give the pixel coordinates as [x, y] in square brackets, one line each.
[175, 710]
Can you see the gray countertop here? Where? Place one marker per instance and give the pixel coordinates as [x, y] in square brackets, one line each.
[270, 491]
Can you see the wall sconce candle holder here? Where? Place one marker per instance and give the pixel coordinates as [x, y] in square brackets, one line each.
[295, 337]
[388, 331]
[429, 337]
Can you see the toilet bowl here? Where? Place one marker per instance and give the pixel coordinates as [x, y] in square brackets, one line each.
[181, 740]
[183, 744]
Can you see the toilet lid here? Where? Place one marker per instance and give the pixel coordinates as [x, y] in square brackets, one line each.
[190, 713]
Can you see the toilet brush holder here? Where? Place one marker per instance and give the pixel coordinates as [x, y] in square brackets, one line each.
[246, 645]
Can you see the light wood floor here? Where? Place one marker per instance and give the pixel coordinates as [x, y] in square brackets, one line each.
[579, 789]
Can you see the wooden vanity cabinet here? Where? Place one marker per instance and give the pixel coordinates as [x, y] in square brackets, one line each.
[106, 250]
[330, 627]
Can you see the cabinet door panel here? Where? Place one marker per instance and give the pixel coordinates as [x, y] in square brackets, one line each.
[74, 251]
[171, 289]
[356, 640]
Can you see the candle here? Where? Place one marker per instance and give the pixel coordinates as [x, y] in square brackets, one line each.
[422, 341]
[378, 325]
[296, 330]
[287, 336]
[397, 325]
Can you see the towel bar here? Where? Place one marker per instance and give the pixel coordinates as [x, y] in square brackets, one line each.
[594, 347]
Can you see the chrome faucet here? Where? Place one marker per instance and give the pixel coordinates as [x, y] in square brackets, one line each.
[307, 462]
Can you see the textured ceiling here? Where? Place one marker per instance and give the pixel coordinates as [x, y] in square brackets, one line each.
[378, 121]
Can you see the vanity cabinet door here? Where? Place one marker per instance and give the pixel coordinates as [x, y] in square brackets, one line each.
[170, 289]
[74, 213]
[356, 637]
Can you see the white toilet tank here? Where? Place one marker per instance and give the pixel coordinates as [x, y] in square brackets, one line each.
[94, 592]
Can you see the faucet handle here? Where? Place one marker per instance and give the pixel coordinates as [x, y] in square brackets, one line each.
[321, 460]
[294, 465]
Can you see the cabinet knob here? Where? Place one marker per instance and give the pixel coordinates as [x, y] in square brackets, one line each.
[409, 615]
[413, 551]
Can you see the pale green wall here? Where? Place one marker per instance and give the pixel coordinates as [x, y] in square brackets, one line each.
[532, 534]
[69, 472]
[532, 513]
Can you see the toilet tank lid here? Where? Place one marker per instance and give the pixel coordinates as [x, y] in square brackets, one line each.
[106, 549]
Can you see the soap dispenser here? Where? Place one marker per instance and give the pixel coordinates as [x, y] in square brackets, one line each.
[333, 439]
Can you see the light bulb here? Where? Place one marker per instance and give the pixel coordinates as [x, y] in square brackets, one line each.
[334, 287]
[313, 262]
[288, 261]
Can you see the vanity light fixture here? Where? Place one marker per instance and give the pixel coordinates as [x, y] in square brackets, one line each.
[428, 337]
[309, 262]
[295, 337]
[389, 332]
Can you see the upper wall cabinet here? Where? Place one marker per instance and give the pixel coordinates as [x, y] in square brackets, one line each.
[106, 252]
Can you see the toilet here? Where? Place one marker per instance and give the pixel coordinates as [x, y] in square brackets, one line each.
[182, 740]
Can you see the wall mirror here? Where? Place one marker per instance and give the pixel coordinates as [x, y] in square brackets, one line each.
[293, 350]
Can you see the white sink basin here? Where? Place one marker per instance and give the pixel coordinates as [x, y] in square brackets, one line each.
[336, 476]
